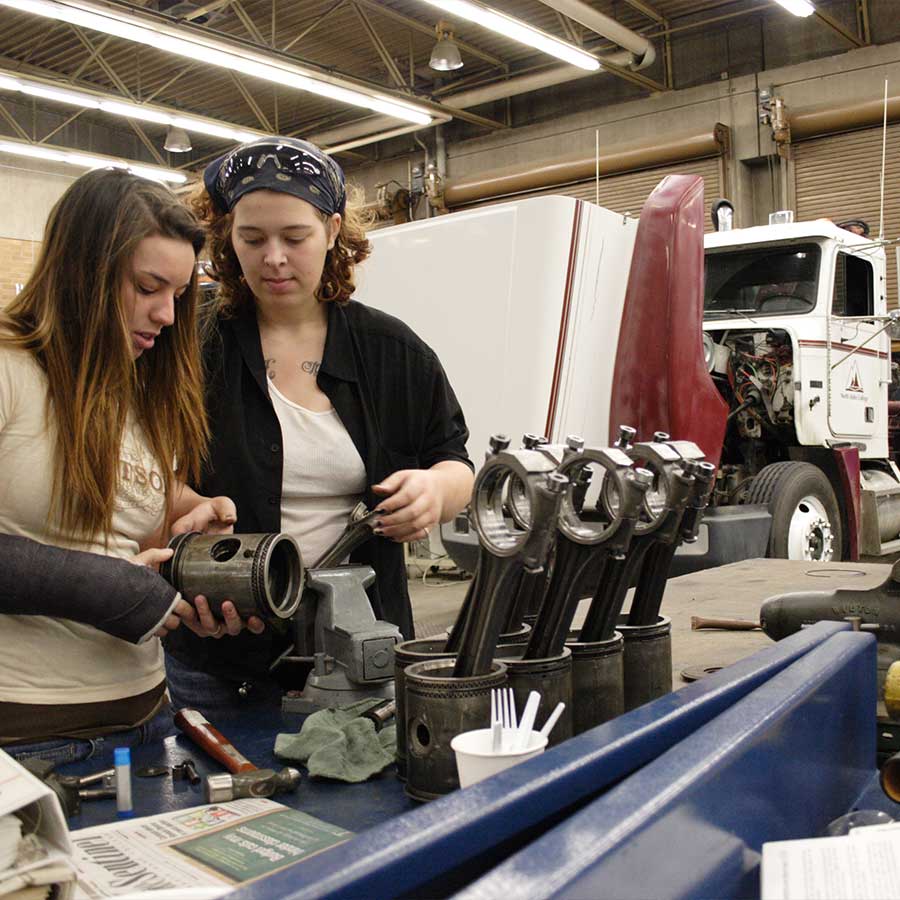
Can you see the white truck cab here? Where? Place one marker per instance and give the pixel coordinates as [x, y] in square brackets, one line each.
[797, 340]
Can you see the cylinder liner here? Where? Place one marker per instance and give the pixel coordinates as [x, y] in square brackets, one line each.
[550, 677]
[598, 681]
[647, 660]
[262, 574]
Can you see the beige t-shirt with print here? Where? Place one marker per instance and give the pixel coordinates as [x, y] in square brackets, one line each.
[47, 660]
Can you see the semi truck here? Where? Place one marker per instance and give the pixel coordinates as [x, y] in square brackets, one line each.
[768, 346]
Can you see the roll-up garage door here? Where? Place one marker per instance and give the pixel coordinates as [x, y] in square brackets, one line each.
[838, 177]
[627, 192]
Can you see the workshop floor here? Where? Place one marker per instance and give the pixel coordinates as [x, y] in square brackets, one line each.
[733, 592]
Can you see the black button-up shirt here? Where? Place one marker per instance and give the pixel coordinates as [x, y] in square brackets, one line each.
[394, 399]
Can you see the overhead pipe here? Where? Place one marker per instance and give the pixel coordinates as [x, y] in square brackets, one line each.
[534, 177]
[609, 28]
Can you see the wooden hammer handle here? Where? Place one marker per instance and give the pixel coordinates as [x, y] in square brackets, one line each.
[212, 741]
[698, 622]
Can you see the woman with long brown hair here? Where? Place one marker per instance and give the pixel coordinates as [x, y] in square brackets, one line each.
[101, 423]
[316, 401]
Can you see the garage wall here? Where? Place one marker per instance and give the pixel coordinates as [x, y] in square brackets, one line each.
[840, 80]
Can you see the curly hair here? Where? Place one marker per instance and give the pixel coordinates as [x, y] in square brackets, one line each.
[337, 284]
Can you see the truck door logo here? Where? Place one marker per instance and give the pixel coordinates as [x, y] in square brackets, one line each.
[855, 384]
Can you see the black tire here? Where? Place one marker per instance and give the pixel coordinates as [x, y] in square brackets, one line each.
[782, 487]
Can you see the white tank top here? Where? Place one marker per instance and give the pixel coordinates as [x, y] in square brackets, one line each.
[323, 476]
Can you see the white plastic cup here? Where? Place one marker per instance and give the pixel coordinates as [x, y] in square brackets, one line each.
[476, 760]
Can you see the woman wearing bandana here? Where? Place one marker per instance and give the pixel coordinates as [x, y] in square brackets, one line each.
[315, 402]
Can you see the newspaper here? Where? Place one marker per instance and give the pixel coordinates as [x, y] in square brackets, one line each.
[861, 865]
[36, 852]
[217, 846]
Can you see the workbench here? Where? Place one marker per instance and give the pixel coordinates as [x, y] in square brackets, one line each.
[774, 746]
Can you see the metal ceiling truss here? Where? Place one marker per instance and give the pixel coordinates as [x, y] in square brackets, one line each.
[838, 27]
[261, 117]
[379, 46]
[60, 127]
[313, 25]
[423, 28]
[19, 130]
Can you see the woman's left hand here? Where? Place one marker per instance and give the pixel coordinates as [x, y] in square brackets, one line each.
[207, 625]
[413, 504]
[215, 515]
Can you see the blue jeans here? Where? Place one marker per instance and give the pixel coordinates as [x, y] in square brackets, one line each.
[65, 750]
[217, 698]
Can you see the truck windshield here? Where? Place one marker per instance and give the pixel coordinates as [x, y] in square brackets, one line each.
[765, 281]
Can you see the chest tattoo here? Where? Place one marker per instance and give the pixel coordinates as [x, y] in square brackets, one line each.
[310, 366]
[270, 368]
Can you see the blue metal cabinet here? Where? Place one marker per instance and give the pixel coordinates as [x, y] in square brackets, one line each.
[780, 763]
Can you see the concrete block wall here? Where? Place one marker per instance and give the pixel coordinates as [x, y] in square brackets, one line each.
[32, 187]
[16, 261]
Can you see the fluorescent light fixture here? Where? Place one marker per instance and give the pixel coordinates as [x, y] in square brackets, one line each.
[90, 161]
[201, 48]
[159, 115]
[802, 8]
[518, 31]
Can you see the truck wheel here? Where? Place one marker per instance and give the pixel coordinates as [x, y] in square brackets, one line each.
[806, 519]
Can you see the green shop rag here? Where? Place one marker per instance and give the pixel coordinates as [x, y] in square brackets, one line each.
[337, 743]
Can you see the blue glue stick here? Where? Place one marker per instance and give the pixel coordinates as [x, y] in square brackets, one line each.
[122, 758]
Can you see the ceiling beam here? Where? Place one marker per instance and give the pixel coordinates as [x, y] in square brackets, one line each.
[568, 28]
[647, 10]
[248, 23]
[203, 10]
[147, 142]
[634, 77]
[19, 130]
[167, 84]
[92, 55]
[380, 48]
[421, 27]
[838, 27]
[254, 106]
[58, 128]
[107, 68]
[315, 23]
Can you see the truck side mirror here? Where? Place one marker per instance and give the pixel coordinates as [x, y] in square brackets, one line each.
[722, 214]
[894, 328]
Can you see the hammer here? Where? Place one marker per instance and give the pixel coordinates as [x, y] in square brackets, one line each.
[245, 780]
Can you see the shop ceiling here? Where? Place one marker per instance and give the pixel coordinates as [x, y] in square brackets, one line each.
[378, 46]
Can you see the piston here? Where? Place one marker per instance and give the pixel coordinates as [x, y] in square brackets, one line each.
[440, 706]
[262, 574]
[404, 655]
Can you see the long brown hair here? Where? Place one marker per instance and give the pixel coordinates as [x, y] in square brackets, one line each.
[337, 284]
[71, 316]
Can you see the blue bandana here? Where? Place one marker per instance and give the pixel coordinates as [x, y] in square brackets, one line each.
[283, 164]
